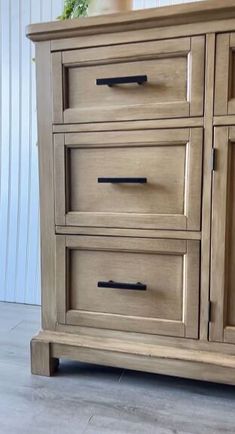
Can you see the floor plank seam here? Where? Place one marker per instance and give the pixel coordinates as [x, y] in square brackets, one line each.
[121, 376]
[14, 327]
[88, 423]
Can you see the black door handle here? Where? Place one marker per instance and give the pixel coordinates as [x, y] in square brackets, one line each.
[112, 81]
[122, 180]
[118, 285]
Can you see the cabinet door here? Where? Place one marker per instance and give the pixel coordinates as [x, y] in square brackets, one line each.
[222, 326]
[225, 73]
[139, 285]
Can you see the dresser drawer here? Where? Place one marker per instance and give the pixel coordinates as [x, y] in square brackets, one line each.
[150, 80]
[141, 179]
[225, 73]
[142, 285]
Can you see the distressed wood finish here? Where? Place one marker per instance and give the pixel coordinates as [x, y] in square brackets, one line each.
[136, 233]
[206, 193]
[42, 361]
[174, 87]
[192, 14]
[46, 167]
[175, 234]
[223, 237]
[170, 160]
[155, 33]
[169, 269]
[134, 125]
[225, 71]
[201, 365]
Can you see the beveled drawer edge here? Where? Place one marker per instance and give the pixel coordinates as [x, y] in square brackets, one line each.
[137, 233]
[129, 125]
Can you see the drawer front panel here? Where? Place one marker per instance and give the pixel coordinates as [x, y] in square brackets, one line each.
[225, 73]
[136, 81]
[129, 284]
[147, 179]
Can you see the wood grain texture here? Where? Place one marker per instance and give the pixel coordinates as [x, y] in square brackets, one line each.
[219, 228]
[59, 179]
[222, 74]
[42, 363]
[155, 33]
[62, 280]
[231, 82]
[205, 365]
[153, 339]
[196, 84]
[161, 238]
[223, 255]
[223, 120]
[87, 341]
[46, 165]
[219, 373]
[210, 10]
[57, 92]
[206, 191]
[225, 84]
[175, 72]
[136, 233]
[170, 160]
[169, 269]
[133, 125]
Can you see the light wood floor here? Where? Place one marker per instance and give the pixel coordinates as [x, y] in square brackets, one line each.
[86, 399]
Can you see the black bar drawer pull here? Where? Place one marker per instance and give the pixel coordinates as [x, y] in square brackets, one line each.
[112, 81]
[122, 180]
[117, 285]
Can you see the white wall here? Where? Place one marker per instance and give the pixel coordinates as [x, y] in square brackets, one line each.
[139, 4]
[19, 209]
[19, 216]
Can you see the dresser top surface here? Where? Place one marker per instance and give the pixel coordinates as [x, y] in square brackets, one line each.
[207, 10]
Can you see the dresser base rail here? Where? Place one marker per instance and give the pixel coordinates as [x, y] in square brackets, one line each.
[48, 347]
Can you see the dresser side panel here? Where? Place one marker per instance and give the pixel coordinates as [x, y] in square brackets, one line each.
[45, 147]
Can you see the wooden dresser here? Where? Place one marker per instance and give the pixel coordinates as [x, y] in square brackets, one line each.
[136, 118]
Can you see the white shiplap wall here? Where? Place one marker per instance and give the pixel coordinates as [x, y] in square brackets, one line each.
[19, 208]
[19, 215]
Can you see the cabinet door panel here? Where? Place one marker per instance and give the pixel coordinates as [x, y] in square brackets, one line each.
[225, 73]
[222, 327]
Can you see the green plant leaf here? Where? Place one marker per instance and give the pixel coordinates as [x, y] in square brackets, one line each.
[74, 9]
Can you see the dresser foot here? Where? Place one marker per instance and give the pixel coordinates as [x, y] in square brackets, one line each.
[41, 361]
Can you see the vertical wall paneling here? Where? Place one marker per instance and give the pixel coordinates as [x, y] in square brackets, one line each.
[19, 209]
[5, 143]
[19, 198]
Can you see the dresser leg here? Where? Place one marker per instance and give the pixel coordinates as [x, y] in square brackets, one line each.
[41, 361]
